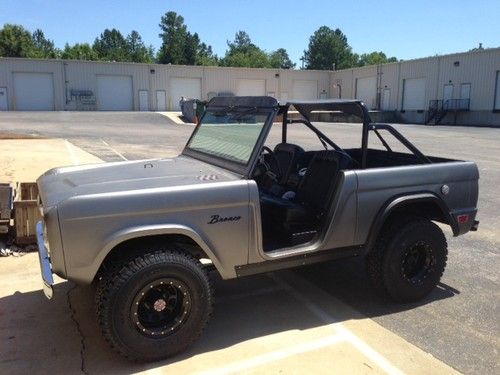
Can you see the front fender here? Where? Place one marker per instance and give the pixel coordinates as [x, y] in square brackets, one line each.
[87, 274]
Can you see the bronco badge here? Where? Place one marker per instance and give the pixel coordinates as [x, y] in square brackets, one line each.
[214, 219]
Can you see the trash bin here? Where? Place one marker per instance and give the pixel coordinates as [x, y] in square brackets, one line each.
[192, 109]
[200, 108]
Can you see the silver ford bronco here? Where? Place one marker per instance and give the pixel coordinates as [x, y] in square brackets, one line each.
[147, 232]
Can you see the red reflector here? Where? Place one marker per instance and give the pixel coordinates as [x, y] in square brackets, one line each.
[462, 219]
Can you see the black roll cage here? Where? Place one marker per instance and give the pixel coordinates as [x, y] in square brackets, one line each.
[269, 106]
[350, 107]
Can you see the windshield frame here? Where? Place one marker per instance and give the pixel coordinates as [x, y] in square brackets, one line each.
[234, 166]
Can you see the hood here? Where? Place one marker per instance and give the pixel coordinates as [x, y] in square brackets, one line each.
[59, 184]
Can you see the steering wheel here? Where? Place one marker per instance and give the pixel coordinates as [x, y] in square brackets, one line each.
[273, 174]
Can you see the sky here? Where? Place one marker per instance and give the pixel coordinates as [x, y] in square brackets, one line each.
[404, 29]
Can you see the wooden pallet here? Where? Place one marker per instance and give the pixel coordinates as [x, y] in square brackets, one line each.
[26, 191]
[26, 213]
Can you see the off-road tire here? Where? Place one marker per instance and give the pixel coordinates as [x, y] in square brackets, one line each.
[387, 263]
[119, 294]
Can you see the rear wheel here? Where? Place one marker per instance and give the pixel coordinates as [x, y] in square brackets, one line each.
[154, 306]
[408, 259]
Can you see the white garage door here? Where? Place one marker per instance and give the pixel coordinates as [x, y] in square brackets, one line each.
[190, 88]
[414, 94]
[304, 89]
[366, 90]
[34, 91]
[115, 93]
[251, 87]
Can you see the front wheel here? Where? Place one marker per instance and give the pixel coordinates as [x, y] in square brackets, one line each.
[155, 306]
[408, 259]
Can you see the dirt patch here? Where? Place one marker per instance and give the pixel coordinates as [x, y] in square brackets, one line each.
[19, 136]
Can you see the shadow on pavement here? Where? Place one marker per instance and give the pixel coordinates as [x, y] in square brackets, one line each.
[35, 329]
[346, 280]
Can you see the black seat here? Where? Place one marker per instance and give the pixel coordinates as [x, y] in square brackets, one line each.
[286, 157]
[306, 211]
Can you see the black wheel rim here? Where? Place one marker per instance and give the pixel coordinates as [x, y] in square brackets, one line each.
[161, 307]
[418, 262]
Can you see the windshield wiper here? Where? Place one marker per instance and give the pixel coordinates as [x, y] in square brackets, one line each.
[239, 115]
[236, 113]
[232, 108]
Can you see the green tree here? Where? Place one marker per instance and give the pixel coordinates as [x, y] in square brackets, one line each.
[241, 42]
[280, 59]
[173, 34]
[111, 46]
[137, 50]
[15, 41]
[179, 46]
[83, 51]
[191, 45]
[42, 47]
[327, 49]
[206, 56]
[375, 58]
[242, 52]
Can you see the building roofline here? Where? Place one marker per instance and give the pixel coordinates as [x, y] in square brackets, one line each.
[485, 50]
[159, 65]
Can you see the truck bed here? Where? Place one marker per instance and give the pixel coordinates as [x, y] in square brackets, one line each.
[382, 158]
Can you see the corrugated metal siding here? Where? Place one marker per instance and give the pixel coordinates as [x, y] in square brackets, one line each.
[426, 69]
[10, 66]
[389, 80]
[83, 76]
[342, 84]
[477, 68]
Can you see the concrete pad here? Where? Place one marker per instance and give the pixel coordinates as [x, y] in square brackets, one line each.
[26, 159]
[176, 117]
[36, 336]
[276, 323]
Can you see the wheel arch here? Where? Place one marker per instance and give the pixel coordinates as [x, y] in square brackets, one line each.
[126, 242]
[426, 205]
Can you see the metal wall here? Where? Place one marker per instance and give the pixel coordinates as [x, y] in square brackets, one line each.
[478, 68]
[82, 75]
[10, 66]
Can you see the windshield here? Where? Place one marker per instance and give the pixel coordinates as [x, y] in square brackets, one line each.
[228, 135]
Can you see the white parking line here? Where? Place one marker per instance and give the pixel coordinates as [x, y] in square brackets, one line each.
[72, 154]
[359, 344]
[263, 359]
[112, 149]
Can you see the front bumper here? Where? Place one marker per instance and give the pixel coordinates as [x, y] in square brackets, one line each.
[45, 266]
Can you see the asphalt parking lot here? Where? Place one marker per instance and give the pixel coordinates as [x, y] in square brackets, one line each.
[458, 323]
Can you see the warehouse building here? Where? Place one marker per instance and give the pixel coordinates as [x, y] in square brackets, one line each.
[461, 88]
[30, 84]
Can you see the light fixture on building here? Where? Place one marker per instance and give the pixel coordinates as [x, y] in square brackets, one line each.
[152, 71]
[456, 63]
